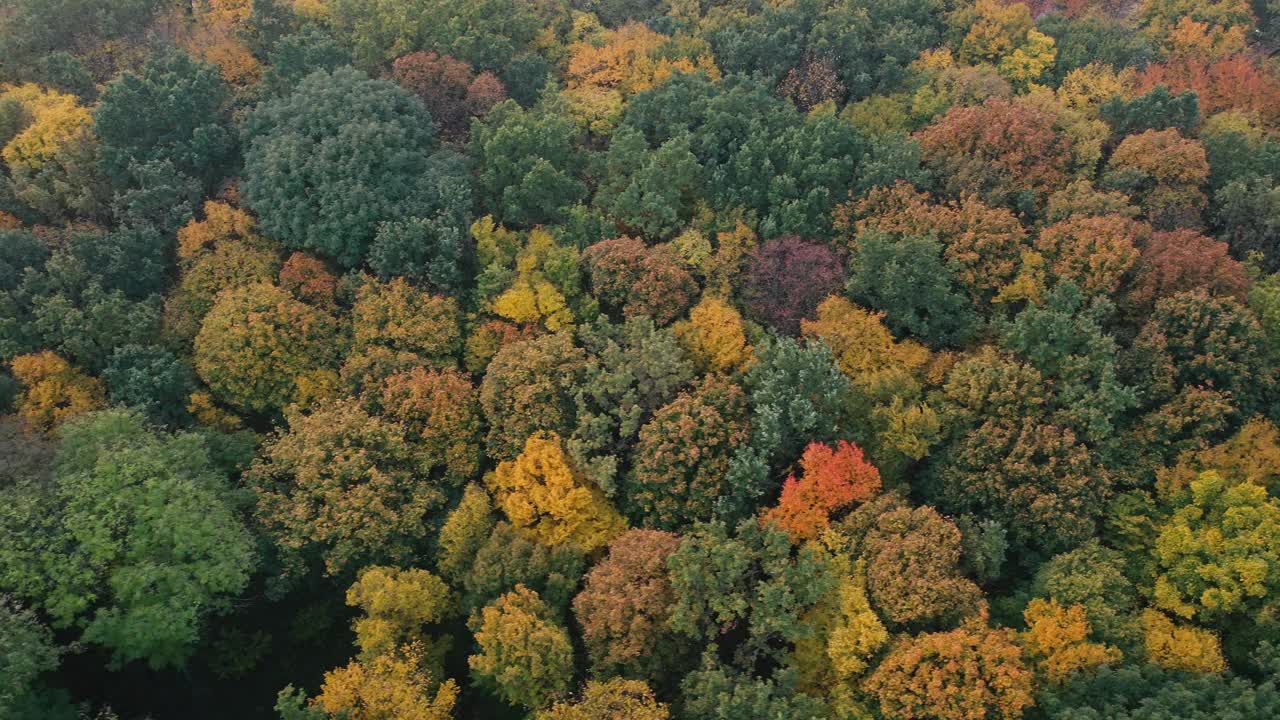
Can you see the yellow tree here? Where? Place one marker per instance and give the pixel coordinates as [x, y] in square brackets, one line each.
[1181, 647]
[53, 158]
[847, 634]
[402, 319]
[714, 336]
[524, 655]
[532, 295]
[221, 251]
[1085, 89]
[1057, 640]
[543, 493]
[464, 531]
[256, 341]
[53, 392]
[398, 605]
[391, 686]
[865, 350]
[615, 699]
[887, 374]
[213, 35]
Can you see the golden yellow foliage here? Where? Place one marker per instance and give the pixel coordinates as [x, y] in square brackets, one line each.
[543, 493]
[202, 407]
[1190, 38]
[722, 268]
[214, 36]
[1029, 62]
[857, 632]
[464, 531]
[596, 110]
[626, 61]
[1181, 647]
[864, 348]
[847, 634]
[614, 699]
[397, 606]
[53, 392]
[1086, 88]
[221, 222]
[387, 687]
[997, 30]
[532, 298]
[312, 9]
[1057, 639]
[1252, 455]
[525, 656]
[714, 337]
[56, 120]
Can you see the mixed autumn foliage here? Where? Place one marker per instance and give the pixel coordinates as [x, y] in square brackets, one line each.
[640, 359]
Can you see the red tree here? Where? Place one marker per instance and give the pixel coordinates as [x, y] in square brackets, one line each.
[1231, 83]
[831, 479]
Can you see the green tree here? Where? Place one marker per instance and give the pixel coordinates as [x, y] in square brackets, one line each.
[527, 164]
[29, 651]
[1136, 692]
[507, 557]
[745, 592]
[136, 539]
[152, 380]
[797, 395]
[632, 370]
[174, 110]
[907, 279]
[721, 693]
[336, 157]
[649, 191]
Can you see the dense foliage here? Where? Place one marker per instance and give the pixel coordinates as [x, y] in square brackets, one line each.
[639, 359]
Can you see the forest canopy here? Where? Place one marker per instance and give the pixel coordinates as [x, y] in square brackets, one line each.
[639, 359]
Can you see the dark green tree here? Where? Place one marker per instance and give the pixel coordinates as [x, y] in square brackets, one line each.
[527, 164]
[150, 379]
[174, 109]
[336, 157]
[908, 279]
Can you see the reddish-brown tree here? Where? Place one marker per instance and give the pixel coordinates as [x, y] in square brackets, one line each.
[448, 87]
[1179, 260]
[1003, 151]
[812, 83]
[786, 279]
[970, 673]
[1092, 252]
[624, 605]
[913, 576]
[1231, 83]
[627, 275]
